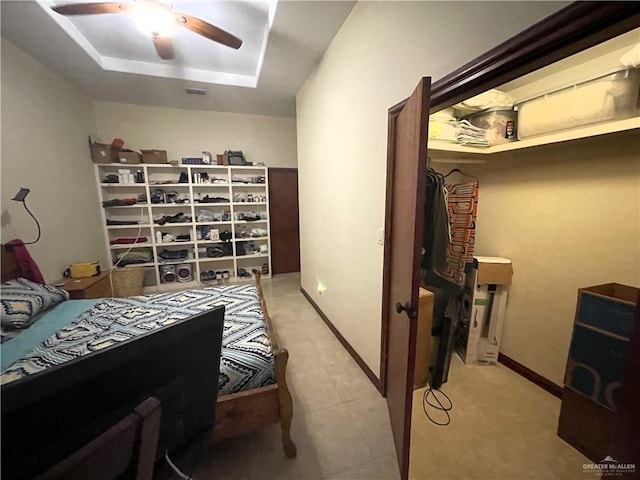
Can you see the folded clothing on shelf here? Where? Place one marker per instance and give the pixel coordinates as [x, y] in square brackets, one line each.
[121, 222]
[168, 238]
[179, 217]
[468, 134]
[248, 216]
[119, 202]
[126, 241]
[248, 248]
[205, 216]
[208, 199]
[239, 179]
[174, 254]
[134, 256]
[221, 250]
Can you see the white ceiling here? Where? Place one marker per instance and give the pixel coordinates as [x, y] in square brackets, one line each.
[110, 59]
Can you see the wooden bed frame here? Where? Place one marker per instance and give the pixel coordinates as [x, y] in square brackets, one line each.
[241, 412]
[258, 408]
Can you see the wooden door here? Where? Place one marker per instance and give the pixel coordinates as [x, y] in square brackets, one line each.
[283, 215]
[406, 178]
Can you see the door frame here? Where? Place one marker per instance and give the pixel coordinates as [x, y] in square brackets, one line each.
[577, 27]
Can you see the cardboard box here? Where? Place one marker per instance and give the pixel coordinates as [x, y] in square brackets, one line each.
[102, 153]
[485, 319]
[481, 315]
[423, 338]
[493, 270]
[127, 156]
[154, 156]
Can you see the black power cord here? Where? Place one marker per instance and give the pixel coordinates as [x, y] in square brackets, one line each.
[201, 439]
[37, 223]
[430, 391]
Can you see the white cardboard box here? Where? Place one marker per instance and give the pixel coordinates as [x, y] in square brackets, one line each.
[482, 312]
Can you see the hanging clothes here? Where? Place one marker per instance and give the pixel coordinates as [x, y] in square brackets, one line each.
[462, 207]
[462, 202]
[436, 223]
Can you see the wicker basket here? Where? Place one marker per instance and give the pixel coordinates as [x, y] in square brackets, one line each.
[127, 281]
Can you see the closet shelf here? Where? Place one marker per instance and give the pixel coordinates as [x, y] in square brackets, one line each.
[127, 246]
[584, 132]
[129, 227]
[123, 185]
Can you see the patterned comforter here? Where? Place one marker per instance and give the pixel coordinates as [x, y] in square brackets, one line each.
[246, 362]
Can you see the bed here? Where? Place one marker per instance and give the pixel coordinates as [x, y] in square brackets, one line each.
[249, 398]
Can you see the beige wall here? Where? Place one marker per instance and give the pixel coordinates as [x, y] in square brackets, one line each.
[45, 124]
[568, 215]
[375, 61]
[186, 133]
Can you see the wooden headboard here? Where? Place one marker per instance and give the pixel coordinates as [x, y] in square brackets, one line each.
[10, 268]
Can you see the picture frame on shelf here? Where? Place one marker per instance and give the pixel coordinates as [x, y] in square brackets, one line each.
[214, 234]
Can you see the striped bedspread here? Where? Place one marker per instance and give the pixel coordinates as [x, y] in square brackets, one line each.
[246, 362]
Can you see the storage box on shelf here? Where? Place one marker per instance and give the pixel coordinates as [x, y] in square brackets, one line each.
[500, 124]
[609, 97]
[129, 157]
[102, 152]
[154, 156]
[194, 223]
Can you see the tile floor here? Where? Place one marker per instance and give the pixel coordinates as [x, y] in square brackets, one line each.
[340, 424]
[502, 426]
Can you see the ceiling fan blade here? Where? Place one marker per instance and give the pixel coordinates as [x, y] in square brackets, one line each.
[164, 47]
[90, 8]
[208, 31]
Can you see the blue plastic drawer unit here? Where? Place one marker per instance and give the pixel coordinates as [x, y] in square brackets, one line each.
[598, 356]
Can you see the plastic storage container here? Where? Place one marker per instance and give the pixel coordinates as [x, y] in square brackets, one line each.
[499, 123]
[606, 98]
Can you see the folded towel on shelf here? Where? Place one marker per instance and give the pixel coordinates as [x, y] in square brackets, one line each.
[468, 134]
[445, 132]
[446, 115]
[482, 101]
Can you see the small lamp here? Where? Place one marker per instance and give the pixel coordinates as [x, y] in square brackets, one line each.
[20, 197]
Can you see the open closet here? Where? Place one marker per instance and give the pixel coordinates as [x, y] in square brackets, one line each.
[560, 205]
[605, 93]
[560, 202]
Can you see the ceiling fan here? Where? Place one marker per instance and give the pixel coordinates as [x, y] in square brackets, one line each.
[155, 18]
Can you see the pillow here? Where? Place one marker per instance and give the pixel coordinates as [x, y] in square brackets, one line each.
[22, 300]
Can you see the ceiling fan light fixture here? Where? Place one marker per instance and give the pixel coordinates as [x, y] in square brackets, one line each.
[153, 19]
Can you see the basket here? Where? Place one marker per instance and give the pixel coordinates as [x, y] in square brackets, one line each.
[127, 281]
